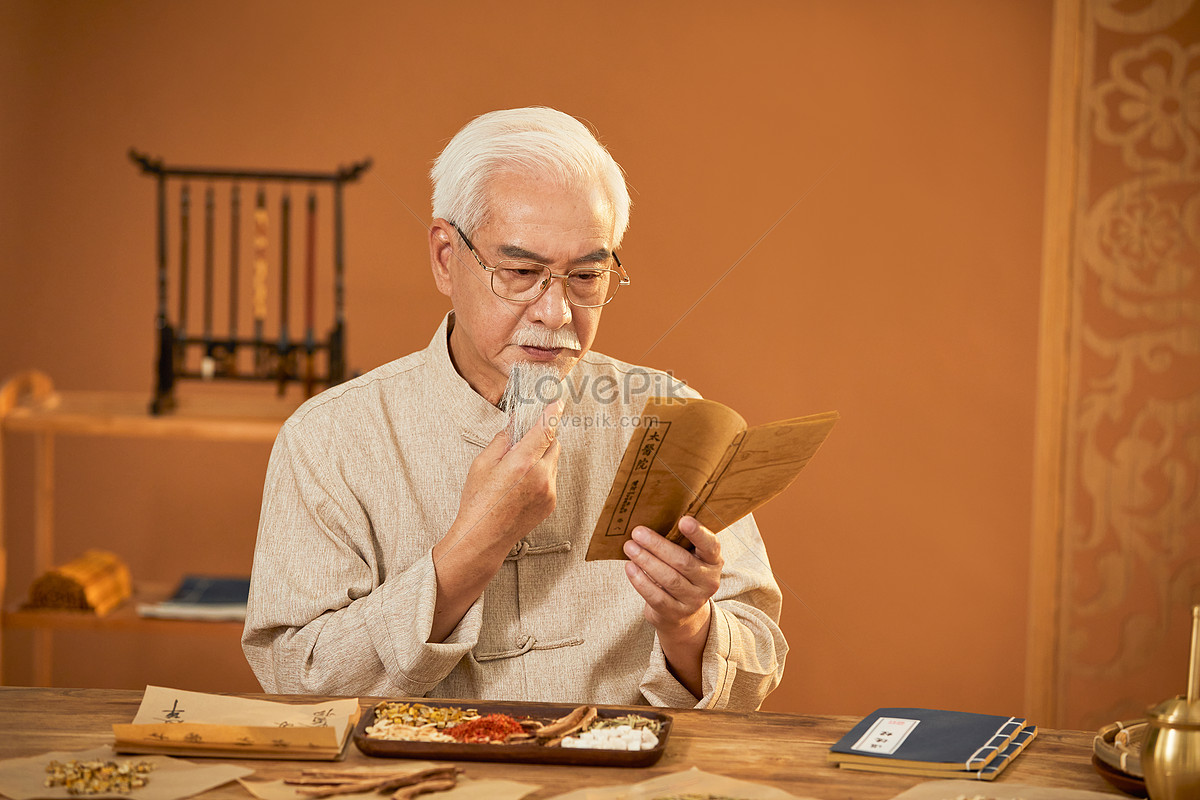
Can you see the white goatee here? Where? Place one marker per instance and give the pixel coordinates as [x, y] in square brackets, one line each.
[531, 387]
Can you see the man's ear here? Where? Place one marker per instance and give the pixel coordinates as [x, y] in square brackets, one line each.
[441, 253]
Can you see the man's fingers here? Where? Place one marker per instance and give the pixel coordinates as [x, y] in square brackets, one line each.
[677, 581]
[551, 458]
[542, 434]
[495, 449]
[651, 592]
[666, 551]
[548, 422]
[708, 546]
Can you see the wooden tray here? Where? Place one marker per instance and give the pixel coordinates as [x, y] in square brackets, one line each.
[517, 753]
[1116, 755]
[1126, 783]
[1119, 745]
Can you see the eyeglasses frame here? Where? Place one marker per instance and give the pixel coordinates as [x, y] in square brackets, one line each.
[624, 276]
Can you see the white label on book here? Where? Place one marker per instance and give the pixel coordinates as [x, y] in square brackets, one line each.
[886, 735]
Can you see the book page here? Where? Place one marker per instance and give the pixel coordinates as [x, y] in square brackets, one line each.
[677, 445]
[763, 463]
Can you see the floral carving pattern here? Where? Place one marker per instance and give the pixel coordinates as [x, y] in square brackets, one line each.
[1150, 107]
[1131, 547]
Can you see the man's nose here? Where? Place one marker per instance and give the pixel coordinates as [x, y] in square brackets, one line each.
[552, 309]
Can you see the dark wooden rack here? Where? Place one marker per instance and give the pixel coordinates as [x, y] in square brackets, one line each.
[286, 353]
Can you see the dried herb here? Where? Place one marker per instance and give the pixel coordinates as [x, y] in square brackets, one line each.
[632, 720]
[418, 714]
[492, 728]
[416, 721]
[98, 777]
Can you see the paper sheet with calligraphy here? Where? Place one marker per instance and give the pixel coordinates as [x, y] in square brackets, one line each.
[697, 457]
[178, 722]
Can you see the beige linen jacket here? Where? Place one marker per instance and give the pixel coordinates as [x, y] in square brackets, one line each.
[365, 478]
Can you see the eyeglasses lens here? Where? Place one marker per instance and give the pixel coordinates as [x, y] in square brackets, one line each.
[587, 287]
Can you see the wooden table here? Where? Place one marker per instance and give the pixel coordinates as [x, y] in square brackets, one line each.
[783, 750]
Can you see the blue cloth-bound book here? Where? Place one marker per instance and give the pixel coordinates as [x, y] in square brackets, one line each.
[926, 739]
[203, 597]
[989, 772]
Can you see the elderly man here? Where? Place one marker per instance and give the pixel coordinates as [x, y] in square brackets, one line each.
[424, 526]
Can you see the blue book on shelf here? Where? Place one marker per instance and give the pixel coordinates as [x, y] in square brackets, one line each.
[928, 739]
[203, 597]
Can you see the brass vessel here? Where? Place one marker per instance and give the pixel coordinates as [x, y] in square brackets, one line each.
[1171, 756]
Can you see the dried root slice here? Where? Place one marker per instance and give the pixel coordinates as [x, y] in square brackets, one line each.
[530, 733]
[384, 782]
[552, 734]
[556, 728]
[519, 738]
[426, 787]
[333, 777]
[338, 775]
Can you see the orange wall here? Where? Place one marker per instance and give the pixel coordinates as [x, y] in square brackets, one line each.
[836, 206]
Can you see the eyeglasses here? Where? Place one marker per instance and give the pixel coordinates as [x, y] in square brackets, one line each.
[525, 281]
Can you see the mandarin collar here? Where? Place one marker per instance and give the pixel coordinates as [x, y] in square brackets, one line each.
[479, 420]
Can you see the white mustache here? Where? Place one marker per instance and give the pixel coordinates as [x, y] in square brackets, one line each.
[543, 337]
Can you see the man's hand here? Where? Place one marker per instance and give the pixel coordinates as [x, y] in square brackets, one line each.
[506, 494]
[677, 586]
[509, 491]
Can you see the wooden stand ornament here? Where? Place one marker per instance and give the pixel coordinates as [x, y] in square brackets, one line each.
[214, 355]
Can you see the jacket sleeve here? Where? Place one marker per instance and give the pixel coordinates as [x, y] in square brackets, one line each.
[744, 656]
[322, 617]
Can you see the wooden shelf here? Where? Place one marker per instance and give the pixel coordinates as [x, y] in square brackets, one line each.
[122, 618]
[29, 404]
[213, 415]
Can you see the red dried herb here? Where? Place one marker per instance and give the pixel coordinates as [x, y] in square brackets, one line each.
[492, 728]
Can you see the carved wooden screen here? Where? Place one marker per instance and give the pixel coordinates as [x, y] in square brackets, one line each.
[1116, 562]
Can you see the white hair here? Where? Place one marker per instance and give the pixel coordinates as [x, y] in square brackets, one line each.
[537, 140]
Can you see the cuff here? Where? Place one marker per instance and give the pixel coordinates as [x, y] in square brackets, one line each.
[660, 687]
[398, 623]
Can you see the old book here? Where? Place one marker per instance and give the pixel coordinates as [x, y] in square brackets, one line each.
[698, 457]
[944, 742]
[181, 723]
[203, 597]
[986, 773]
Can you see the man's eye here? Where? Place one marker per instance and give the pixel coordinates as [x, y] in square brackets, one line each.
[523, 272]
[586, 276]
